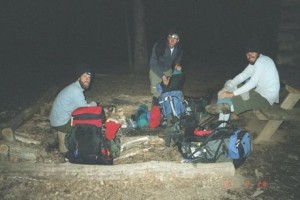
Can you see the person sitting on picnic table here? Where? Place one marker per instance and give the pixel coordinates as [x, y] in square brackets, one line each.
[260, 89]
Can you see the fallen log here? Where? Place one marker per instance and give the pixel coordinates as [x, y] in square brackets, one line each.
[26, 114]
[157, 169]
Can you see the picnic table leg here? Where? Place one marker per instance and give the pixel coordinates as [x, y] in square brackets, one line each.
[272, 125]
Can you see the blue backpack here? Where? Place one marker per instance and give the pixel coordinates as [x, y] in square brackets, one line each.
[171, 98]
[172, 103]
[239, 147]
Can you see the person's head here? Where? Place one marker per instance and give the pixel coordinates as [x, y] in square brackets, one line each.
[84, 76]
[252, 51]
[173, 38]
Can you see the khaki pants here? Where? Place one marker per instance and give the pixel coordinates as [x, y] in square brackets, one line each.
[256, 101]
[61, 133]
[155, 80]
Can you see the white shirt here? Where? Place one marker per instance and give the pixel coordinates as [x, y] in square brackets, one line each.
[172, 49]
[67, 100]
[263, 77]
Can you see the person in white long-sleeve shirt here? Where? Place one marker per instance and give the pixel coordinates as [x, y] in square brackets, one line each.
[261, 84]
[70, 98]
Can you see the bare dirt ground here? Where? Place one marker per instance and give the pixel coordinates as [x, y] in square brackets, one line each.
[271, 171]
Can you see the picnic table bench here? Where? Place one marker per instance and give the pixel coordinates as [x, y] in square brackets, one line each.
[277, 114]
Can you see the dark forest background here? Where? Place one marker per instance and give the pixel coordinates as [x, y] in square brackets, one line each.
[42, 41]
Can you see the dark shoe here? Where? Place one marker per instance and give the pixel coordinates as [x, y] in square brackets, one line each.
[218, 108]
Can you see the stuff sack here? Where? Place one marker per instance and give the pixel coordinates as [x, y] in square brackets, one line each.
[172, 103]
[209, 148]
[93, 115]
[111, 146]
[141, 116]
[239, 147]
[155, 117]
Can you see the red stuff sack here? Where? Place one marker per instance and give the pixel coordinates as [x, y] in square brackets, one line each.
[155, 117]
[111, 129]
[91, 115]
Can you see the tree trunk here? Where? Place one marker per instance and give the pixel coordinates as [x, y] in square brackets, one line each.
[129, 42]
[140, 46]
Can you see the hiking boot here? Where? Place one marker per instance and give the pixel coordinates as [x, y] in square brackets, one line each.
[218, 108]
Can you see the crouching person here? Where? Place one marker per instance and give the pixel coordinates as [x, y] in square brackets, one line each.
[67, 100]
[260, 89]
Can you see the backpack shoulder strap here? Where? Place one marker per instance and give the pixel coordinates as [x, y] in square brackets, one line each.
[238, 144]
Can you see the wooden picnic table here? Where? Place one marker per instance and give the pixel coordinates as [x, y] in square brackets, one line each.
[277, 114]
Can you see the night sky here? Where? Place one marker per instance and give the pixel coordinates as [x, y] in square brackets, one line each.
[40, 40]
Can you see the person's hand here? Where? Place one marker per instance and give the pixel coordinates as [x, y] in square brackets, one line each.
[226, 94]
[165, 80]
[178, 67]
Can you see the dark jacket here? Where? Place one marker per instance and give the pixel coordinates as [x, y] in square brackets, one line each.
[161, 59]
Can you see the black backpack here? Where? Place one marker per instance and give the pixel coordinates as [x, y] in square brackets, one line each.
[88, 145]
[217, 145]
[92, 139]
[210, 148]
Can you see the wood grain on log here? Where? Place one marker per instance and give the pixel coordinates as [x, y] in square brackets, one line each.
[17, 153]
[160, 170]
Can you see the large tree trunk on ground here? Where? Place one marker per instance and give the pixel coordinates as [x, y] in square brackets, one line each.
[29, 112]
[140, 46]
[160, 170]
